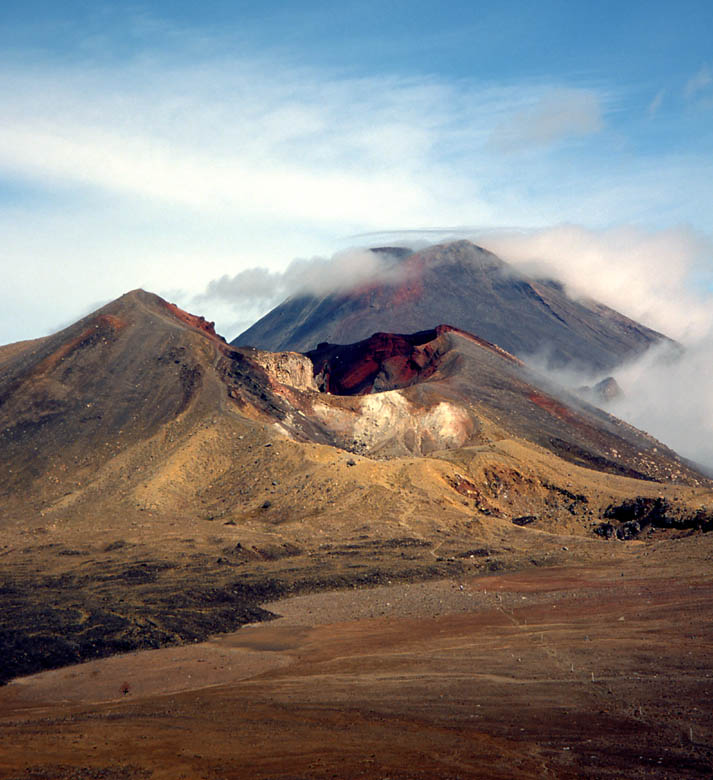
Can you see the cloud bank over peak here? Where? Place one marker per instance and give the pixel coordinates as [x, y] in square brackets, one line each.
[190, 153]
[649, 275]
[318, 276]
[671, 397]
[661, 278]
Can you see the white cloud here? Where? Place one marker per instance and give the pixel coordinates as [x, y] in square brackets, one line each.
[157, 171]
[645, 274]
[228, 136]
[274, 142]
[170, 174]
[555, 115]
[652, 276]
[243, 297]
[317, 275]
[151, 169]
[672, 399]
[666, 392]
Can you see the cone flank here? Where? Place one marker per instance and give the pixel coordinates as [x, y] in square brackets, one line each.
[472, 289]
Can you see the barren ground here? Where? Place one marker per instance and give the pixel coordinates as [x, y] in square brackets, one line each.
[589, 670]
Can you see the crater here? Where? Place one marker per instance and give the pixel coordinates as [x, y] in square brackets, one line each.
[385, 361]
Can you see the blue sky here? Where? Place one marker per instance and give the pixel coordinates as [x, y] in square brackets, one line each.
[169, 145]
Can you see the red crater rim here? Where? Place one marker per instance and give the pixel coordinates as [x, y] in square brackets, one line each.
[193, 320]
[387, 361]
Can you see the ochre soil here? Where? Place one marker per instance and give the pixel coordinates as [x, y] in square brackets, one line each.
[598, 670]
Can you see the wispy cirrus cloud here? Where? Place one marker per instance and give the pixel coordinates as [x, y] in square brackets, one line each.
[299, 144]
[192, 167]
[195, 170]
[553, 116]
[285, 148]
[655, 105]
[701, 81]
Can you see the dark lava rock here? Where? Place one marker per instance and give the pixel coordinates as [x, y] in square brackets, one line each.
[629, 530]
[633, 516]
[649, 510]
[606, 390]
[606, 530]
[524, 520]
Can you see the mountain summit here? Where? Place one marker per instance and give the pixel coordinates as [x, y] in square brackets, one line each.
[471, 288]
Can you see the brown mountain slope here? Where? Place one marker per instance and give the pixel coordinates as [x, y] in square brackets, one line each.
[157, 485]
[458, 389]
[470, 288]
[71, 402]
